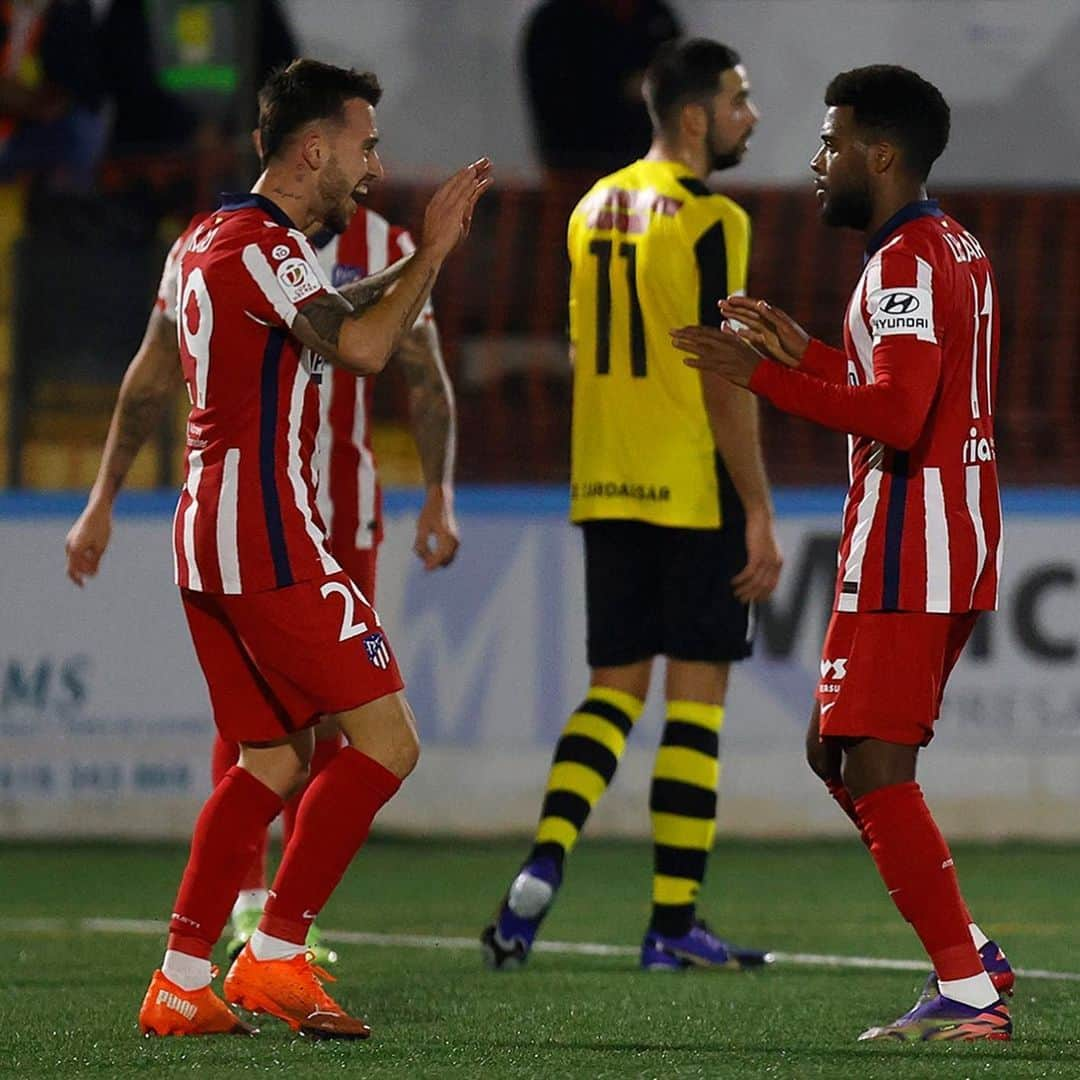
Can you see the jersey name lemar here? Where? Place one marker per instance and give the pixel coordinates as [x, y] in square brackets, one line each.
[902, 311]
[612, 489]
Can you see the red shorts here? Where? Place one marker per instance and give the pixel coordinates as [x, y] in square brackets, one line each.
[883, 673]
[359, 564]
[276, 661]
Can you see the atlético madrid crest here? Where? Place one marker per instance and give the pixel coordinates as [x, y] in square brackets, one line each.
[377, 651]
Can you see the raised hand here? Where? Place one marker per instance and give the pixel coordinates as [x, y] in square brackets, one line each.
[448, 216]
[721, 351]
[769, 330]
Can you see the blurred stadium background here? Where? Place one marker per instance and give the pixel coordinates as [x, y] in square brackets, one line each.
[104, 722]
[103, 717]
[104, 725]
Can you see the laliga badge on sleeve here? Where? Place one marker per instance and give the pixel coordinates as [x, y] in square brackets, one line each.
[297, 279]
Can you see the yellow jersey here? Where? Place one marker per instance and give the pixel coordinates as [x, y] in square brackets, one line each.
[651, 248]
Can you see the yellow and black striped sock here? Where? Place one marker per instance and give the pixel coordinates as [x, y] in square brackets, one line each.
[586, 757]
[686, 777]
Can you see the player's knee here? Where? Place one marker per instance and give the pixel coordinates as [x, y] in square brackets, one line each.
[300, 777]
[406, 742]
[818, 755]
[409, 750]
[290, 774]
[385, 730]
[280, 768]
[398, 750]
[865, 772]
[818, 758]
[857, 778]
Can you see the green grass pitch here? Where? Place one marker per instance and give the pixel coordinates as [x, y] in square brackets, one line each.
[68, 996]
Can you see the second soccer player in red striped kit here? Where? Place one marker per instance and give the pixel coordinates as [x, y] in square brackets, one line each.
[920, 552]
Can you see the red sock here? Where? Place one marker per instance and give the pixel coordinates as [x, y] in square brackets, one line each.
[335, 815]
[847, 804]
[325, 752]
[223, 756]
[236, 814]
[914, 862]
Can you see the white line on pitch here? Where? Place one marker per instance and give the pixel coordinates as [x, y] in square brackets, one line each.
[153, 927]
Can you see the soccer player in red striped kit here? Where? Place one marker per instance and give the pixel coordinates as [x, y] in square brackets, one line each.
[283, 635]
[349, 496]
[348, 493]
[921, 546]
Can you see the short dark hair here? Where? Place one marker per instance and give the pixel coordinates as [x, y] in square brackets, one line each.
[306, 90]
[896, 103]
[683, 72]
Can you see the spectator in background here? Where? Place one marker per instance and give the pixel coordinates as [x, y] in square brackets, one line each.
[147, 115]
[51, 124]
[584, 62]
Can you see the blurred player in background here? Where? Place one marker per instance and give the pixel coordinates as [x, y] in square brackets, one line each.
[914, 387]
[668, 484]
[282, 633]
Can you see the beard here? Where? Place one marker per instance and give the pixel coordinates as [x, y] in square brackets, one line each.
[723, 157]
[336, 194]
[727, 159]
[336, 219]
[850, 209]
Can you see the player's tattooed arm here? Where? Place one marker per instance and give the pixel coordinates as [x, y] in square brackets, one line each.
[327, 315]
[368, 291]
[434, 429]
[150, 383]
[363, 340]
[152, 379]
[431, 401]
[319, 324]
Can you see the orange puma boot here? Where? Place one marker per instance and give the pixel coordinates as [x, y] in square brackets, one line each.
[168, 1009]
[292, 991]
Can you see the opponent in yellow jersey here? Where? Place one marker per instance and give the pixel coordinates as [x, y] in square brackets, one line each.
[670, 492]
[650, 248]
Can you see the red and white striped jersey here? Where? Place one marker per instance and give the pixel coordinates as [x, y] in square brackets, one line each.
[247, 519]
[915, 388]
[349, 495]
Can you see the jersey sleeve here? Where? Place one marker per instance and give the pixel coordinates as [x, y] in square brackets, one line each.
[572, 228]
[166, 299]
[402, 244]
[286, 274]
[167, 291]
[892, 409]
[901, 302]
[906, 362]
[824, 361]
[722, 254]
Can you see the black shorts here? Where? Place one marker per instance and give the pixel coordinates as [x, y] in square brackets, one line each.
[654, 590]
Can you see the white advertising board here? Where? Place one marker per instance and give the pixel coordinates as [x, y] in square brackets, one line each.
[105, 725]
